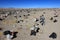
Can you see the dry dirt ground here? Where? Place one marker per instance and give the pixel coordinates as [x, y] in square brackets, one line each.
[23, 28]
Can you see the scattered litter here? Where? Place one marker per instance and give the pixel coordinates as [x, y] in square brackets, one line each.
[56, 16]
[37, 29]
[42, 17]
[18, 21]
[37, 19]
[53, 35]
[51, 18]
[10, 34]
[15, 16]
[1, 19]
[24, 15]
[33, 33]
[37, 24]
[6, 15]
[19, 16]
[34, 30]
[42, 20]
[21, 20]
[28, 15]
[14, 26]
[55, 21]
[28, 11]
[0, 28]
[43, 12]
[7, 32]
[14, 35]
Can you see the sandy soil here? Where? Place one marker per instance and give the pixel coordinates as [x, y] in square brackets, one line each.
[23, 28]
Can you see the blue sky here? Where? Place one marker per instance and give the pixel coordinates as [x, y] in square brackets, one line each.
[29, 3]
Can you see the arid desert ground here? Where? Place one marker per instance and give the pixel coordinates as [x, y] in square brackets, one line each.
[21, 20]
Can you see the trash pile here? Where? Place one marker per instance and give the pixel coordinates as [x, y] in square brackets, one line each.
[53, 35]
[42, 20]
[10, 35]
[34, 30]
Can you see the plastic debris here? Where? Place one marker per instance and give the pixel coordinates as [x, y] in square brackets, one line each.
[53, 35]
[56, 16]
[34, 30]
[55, 21]
[19, 16]
[18, 21]
[1, 19]
[51, 18]
[37, 19]
[10, 34]
[0, 28]
[14, 35]
[28, 15]
[42, 20]
[7, 32]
